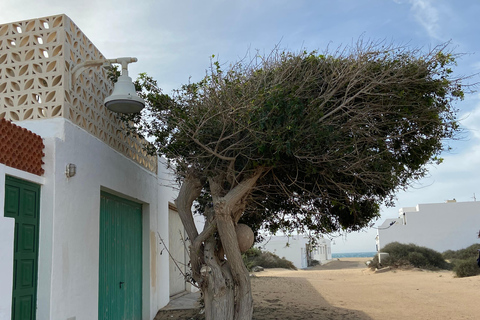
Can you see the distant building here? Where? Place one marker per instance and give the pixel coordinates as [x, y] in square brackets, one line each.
[297, 249]
[438, 226]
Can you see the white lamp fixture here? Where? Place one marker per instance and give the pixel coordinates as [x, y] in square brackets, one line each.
[124, 98]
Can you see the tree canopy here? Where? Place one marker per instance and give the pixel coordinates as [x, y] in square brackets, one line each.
[335, 135]
[296, 141]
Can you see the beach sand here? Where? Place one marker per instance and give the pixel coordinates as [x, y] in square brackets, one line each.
[346, 289]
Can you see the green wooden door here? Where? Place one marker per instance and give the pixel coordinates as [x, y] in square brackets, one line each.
[22, 202]
[120, 269]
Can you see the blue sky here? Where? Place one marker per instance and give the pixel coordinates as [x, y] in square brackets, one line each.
[174, 40]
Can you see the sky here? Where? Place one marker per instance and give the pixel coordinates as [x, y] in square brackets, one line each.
[175, 39]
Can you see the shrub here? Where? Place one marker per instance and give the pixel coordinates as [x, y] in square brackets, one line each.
[417, 259]
[248, 257]
[314, 263]
[464, 261]
[255, 257]
[466, 268]
[401, 255]
[462, 254]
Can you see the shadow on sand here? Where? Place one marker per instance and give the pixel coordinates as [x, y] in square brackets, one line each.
[286, 298]
[295, 298]
[280, 298]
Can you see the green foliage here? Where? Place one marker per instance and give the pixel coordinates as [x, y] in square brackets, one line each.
[410, 255]
[464, 261]
[255, 257]
[249, 257]
[333, 135]
[462, 254]
[253, 252]
[466, 268]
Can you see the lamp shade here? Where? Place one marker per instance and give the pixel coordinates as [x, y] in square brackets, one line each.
[124, 99]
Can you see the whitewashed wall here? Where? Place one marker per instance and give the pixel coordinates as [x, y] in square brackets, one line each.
[323, 251]
[69, 221]
[439, 226]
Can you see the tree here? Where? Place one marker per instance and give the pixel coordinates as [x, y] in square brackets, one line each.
[296, 141]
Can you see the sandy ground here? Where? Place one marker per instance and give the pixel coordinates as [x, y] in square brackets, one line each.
[346, 289]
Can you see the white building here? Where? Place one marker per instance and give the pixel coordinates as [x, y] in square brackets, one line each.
[83, 245]
[438, 226]
[296, 248]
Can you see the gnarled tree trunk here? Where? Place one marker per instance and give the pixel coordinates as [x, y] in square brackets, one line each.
[218, 294]
[225, 283]
[215, 277]
[241, 280]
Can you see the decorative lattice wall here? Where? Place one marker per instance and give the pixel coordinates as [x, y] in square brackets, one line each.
[20, 148]
[36, 59]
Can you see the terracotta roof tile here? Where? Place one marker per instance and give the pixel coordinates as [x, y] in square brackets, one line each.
[20, 148]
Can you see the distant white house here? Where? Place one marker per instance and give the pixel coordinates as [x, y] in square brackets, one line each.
[438, 226]
[297, 249]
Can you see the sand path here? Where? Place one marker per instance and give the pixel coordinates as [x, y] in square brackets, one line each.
[345, 289]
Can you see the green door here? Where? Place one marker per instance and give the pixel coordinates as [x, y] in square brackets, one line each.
[22, 202]
[120, 269]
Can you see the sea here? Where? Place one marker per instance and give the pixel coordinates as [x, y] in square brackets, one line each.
[354, 255]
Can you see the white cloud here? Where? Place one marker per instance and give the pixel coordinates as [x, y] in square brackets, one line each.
[428, 16]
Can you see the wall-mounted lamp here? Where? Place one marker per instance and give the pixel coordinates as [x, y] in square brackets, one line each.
[70, 170]
[124, 98]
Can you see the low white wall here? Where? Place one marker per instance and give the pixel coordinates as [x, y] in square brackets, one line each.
[69, 220]
[291, 248]
[294, 248]
[439, 226]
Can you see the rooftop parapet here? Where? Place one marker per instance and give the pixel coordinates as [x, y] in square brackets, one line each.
[36, 60]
